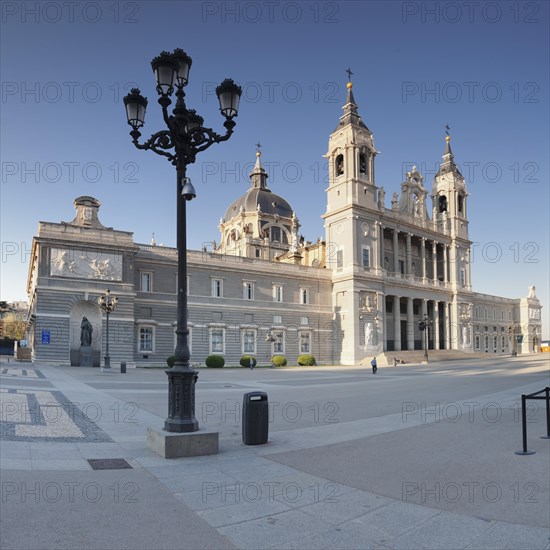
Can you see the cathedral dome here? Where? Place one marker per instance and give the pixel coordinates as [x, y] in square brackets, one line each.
[259, 198]
[269, 203]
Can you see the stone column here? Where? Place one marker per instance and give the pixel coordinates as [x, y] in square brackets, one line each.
[409, 255]
[435, 326]
[424, 313]
[410, 324]
[395, 251]
[447, 327]
[434, 254]
[384, 322]
[423, 256]
[381, 244]
[445, 262]
[396, 323]
[376, 249]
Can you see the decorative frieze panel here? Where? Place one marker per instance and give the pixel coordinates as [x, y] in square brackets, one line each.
[86, 264]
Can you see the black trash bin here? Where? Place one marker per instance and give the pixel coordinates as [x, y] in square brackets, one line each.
[255, 418]
[123, 368]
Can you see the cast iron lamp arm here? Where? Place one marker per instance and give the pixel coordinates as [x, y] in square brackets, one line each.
[158, 143]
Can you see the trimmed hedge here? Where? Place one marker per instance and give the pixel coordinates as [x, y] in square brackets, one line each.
[279, 360]
[306, 360]
[245, 361]
[171, 360]
[215, 361]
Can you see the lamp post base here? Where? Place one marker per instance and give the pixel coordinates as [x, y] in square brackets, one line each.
[181, 400]
[175, 445]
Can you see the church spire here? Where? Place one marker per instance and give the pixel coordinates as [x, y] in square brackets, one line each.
[258, 174]
[351, 111]
[448, 165]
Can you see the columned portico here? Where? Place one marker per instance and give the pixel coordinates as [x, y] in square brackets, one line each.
[408, 252]
[434, 260]
[423, 257]
[436, 324]
[410, 324]
[397, 323]
[395, 251]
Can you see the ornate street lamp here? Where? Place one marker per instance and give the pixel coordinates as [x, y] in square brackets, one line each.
[107, 304]
[186, 136]
[424, 327]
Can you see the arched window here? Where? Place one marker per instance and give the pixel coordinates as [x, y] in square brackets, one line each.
[442, 203]
[340, 165]
[363, 164]
[461, 204]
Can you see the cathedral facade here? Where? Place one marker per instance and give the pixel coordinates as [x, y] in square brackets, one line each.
[386, 269]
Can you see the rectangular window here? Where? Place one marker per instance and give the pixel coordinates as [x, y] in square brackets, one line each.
[249, 341]
[217, 288]
[277, 293]
[305, 339]
[146, 281]
[304, 320]
[279, 343]
[366, 257]
[277, 319]
[145, 343]
[248, 291]
[339, 259]
[477, 342]
[257, 252]
[401, 267]
[275, 234]
[216, 340]
[304, 296]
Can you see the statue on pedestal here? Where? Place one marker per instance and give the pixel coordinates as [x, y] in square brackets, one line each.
[86, 331]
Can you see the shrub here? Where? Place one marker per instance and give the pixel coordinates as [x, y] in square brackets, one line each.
[245, 361]
[306, 360]
[171, 360]
[215, 361]
[279, 360]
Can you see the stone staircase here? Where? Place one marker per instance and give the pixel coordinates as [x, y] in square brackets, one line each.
[417, 356]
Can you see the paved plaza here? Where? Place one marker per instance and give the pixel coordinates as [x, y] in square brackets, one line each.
[416, 456]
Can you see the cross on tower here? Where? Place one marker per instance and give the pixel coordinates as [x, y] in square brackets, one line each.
[258, 145]
[349, 74]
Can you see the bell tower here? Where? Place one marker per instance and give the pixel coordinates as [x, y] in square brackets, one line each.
[354, 204]
[450, 214]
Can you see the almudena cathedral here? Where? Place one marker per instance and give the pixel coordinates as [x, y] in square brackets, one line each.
[265, 290]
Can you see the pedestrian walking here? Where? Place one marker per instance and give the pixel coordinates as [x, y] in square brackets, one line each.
[374, 367]
[252, 363]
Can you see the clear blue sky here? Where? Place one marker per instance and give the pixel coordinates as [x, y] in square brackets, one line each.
[481, 68]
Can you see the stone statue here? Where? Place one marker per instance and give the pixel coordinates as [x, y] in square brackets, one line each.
[464, 335]
[416, 207]
[532, 293]
[381, 197]
[368, 334]
[395, 201]
[86, 330]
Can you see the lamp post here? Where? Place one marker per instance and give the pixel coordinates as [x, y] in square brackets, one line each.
[180, 143]
[107, 304]
[424, 327]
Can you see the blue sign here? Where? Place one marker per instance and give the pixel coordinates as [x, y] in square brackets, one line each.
[45, 336]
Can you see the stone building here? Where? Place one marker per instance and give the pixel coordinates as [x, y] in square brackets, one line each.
[265, 290]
